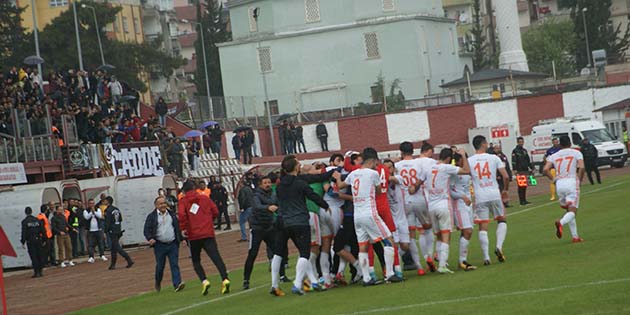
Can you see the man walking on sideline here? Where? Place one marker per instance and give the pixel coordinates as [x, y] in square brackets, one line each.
[196, 213]
[245, 196]
[590, 160]
[322, 135]
[34, 236]
[161, 230]
[113, 227]
[220, 198]
[94, 217]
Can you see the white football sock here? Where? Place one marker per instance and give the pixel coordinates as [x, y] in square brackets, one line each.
[429, 239]
[463, 249]
[276, 262]
[484, 243]
[415, 256]
[501, 233]
[357, 266]
[301, 268]
[325, 265]
[388, 252]
[443, 254]
[438, 246]
[342, 266]
[573, 228]
[568, 217]
[423, 245]
[364, 265]
[311, 272]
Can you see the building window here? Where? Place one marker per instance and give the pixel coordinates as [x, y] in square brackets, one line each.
[273, 107]
[264, 59]
[116, 27]
[371, 46]
[125, 24]
[311, 10]
[253, 24]
[58, 3]
[389, 5]
[136, 25]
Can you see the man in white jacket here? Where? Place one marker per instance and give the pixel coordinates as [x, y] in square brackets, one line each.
[94, 216]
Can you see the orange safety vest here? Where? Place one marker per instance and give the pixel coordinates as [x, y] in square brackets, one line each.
[180, 196]
[43, 217]
[56, 130]
[66, 213]
[206, 192]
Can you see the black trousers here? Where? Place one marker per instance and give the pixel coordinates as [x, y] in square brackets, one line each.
[209, 245]
[74, 237]
[94, 239]
[38, 254]
[299, 234]
[522, 191]
[346, 236]
[247, 154]
[591, 167]
[117, 249]
[324, 142]
[49, 250]
[223, 211]
[256, 238]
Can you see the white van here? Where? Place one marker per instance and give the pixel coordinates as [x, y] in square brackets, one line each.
[610, 151]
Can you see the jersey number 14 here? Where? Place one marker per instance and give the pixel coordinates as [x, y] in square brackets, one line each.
[483, 171]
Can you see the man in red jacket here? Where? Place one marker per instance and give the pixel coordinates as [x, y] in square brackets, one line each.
[196, 214]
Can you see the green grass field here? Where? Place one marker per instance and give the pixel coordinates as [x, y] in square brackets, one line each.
[542, 274]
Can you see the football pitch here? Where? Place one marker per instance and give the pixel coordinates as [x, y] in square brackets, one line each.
[542, 274]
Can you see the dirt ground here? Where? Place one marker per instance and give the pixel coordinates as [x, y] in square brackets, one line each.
[86, 285]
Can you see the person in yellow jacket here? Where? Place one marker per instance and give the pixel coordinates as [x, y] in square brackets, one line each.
[555, 148]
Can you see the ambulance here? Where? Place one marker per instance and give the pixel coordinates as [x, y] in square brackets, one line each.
[610, 150]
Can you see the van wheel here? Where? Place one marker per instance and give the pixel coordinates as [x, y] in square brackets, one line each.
[618, 165]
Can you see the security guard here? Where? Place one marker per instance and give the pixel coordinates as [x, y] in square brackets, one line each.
[34, 236]
[625, 138]
[522, 165]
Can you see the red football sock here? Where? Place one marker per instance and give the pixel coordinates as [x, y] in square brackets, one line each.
[396, 258]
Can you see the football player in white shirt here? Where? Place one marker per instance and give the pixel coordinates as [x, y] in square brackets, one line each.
[462, 212]
[488, 198]
[365, 183]
[569, 166]
[395, 198]
[437, 181]
[415, 204]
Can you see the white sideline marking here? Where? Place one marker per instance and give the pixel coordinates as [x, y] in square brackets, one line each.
[555, 202]
[489, 296]
[191, 306]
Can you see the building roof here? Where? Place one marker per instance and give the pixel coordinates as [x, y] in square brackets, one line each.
[188, 40]
[619, 105]
[494, 74]
[186, 13]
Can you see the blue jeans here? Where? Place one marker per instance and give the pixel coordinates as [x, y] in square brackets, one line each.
[162, 120]
[242, 219]
[237, 153]
[162, 251]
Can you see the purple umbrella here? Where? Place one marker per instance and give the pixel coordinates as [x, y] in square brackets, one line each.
[193, 133]
[207, 124]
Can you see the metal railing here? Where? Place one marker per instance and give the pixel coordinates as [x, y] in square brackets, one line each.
[29, 149]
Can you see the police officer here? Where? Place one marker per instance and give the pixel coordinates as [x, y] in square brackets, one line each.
[522, 165]
[34, 236]
[113, 228]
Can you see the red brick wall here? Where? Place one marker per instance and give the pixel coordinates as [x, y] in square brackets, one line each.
[357, 133]
[614, 78]
[449, 125]
[533, 109]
